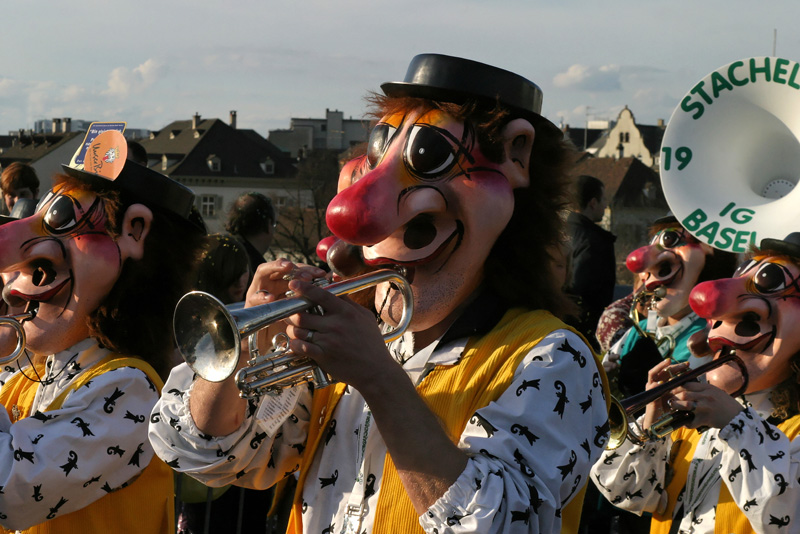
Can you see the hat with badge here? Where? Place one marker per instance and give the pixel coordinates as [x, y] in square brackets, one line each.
[102, 162]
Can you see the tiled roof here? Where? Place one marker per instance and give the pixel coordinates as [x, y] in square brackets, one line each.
[29, 148]
[652, 136]
[576, 135]
[240, 152]
[625, 179]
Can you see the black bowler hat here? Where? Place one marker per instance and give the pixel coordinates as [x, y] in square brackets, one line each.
[668, 218]
[790, 245]
[454, 79]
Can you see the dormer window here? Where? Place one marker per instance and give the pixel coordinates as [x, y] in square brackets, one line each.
[214, 163]
[268, 166]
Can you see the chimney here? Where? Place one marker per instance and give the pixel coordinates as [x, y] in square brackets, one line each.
[660, 123]
[56, 126]
[233, 119]
[195, 120]
[66, 125]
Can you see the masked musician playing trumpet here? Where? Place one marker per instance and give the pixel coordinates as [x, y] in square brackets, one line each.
[740, 475]
[668, 267]
[486, 415]
[90, 262]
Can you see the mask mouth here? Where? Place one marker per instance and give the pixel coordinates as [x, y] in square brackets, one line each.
[17, 299]
[445, 248]
[717, 343]
[665, 275]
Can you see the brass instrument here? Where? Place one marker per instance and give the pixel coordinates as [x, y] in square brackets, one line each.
[649, 300]
[15, 323]
[209, 336]
[620, 413]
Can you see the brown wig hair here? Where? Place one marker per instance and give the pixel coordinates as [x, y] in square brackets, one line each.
[135, 318]
[517, 266]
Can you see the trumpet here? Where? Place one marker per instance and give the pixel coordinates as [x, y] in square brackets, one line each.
[15, 323]
[209, 336]
[649, 300]
[621, 413]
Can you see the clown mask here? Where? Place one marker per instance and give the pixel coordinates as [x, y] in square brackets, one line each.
[426, 198]
[62, 262]
[673, 260]
[756, 313]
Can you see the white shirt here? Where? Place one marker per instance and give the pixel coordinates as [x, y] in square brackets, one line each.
[531, 450]
[753, 458]
[56, 462]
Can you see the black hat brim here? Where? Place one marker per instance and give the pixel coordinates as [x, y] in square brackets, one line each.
[144, 185]
[457, 80]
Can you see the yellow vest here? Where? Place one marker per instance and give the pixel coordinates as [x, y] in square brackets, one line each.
[146, 506]
[453, 393]
[729, 518]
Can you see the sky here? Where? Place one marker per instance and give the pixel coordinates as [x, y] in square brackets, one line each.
[149, 63]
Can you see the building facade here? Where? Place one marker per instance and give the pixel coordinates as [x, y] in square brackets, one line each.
[334, 132]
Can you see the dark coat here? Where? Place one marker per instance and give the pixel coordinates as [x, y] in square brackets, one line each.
[593, 269]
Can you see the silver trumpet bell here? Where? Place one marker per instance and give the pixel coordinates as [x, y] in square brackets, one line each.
[15, 323]
[209, 335]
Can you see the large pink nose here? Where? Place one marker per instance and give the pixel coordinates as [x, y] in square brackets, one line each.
[716, 298]
[638, 260]
[366, 212]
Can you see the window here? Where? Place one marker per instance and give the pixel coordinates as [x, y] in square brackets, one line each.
[208, 205]
[268, 166]
[214, 163]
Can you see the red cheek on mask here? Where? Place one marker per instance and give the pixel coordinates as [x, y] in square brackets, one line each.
[99, 246]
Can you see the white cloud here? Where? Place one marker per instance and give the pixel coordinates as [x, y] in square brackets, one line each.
[123, 81]
[602, 79]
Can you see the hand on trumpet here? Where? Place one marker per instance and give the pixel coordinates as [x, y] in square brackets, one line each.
[346, 341]
[271, 283]
[710, 406]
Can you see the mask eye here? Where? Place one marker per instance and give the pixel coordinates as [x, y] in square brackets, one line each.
[44, 200]
[743, 268]
[669, 238]
[379, 141]
[769, 278]
[60, 215]
[428, 153]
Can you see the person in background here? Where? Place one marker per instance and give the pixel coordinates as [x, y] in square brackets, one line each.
[593, 262]
[137, 153]
[252, 219]
[18, 180]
